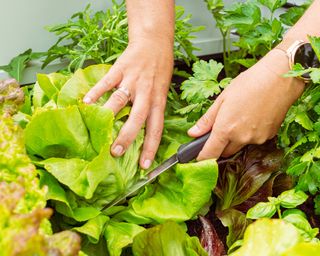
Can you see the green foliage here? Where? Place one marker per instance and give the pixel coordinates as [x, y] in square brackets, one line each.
[70, 143]
[270, 237]
[288, 199]
[167, 239]
[101, 37]
[300, 131]
[24, 225]
[255, 34]
[18, 64]
[199, 89]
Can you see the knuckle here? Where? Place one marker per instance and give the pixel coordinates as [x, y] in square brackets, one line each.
[149, 153]
[119, 98]
[244, 139]
[139, 117]
[204, 121]
[107, 82]
[222, 135]
[156, 133]
[260, 139]
[124, 139]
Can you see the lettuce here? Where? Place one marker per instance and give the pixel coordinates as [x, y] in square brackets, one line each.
[166, 239]
[274, 237]
[24, 225]
[70, 144]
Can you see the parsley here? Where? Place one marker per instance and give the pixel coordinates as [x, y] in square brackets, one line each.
[199, 89]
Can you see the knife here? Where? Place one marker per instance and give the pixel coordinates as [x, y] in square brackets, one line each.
[186, 152]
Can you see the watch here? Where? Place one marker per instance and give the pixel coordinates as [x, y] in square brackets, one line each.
[300, 52]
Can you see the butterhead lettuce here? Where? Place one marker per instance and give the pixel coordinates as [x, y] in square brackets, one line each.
[70, 144]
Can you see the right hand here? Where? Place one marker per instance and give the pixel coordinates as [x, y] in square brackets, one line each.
[145, 70]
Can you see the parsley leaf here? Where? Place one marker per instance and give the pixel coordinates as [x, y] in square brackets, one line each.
[204, 82]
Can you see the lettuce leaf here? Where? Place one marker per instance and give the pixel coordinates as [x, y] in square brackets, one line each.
[183, 193]
[119, 235]
[303, 249]
[70, 143]
[167, 239]
[268, 237]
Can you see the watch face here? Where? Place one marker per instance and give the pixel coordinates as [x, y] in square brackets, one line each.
[306, 56]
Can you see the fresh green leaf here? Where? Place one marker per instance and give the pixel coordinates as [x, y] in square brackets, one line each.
[315, 43]
[268, 237]
[303, 249]
[203, 84]
[302, 224]
[119, 235]
[184, 192]
[273, 4]
[315, 75]
[292, 198]
[166, 239]
[93, 228]
[292, 15]
[262, 210]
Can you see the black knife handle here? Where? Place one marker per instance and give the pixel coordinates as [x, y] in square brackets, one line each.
[191, 150]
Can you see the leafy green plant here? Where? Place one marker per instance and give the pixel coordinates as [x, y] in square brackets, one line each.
[101, 37]
[254, 33]
[82, 176]
[300, 130]
[199, 90]
[275, 237]
[288, 200]
[24, 225]
[18, 64]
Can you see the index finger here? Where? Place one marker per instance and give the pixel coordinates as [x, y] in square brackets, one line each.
[215, 145]
[109, 81]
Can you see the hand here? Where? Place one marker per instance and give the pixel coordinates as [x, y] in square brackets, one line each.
[251, 109]
[144, 70]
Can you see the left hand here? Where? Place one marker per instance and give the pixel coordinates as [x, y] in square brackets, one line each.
[251, 109]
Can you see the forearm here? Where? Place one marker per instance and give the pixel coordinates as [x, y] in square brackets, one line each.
[150, 19]
[309, 24]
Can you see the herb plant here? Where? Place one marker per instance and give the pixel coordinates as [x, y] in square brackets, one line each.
[299, 133]
[200, 88]
[251, 32]
[102, 36]
[18, 64]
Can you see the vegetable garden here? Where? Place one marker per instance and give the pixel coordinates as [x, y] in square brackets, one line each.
[57, 173]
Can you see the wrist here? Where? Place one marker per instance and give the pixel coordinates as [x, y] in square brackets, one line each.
[277, 62]
[151, 34]
[155, 42]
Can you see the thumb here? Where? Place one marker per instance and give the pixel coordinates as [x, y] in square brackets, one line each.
[205, 123]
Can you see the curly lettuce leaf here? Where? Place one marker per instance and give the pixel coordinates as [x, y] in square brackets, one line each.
[22, 234]
[11, 96]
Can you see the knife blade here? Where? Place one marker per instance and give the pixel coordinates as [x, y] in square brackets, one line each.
[186, 153]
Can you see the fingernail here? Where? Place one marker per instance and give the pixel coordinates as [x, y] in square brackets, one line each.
[194, 129]
[117, 150]
[146, 164]
[87, 100]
